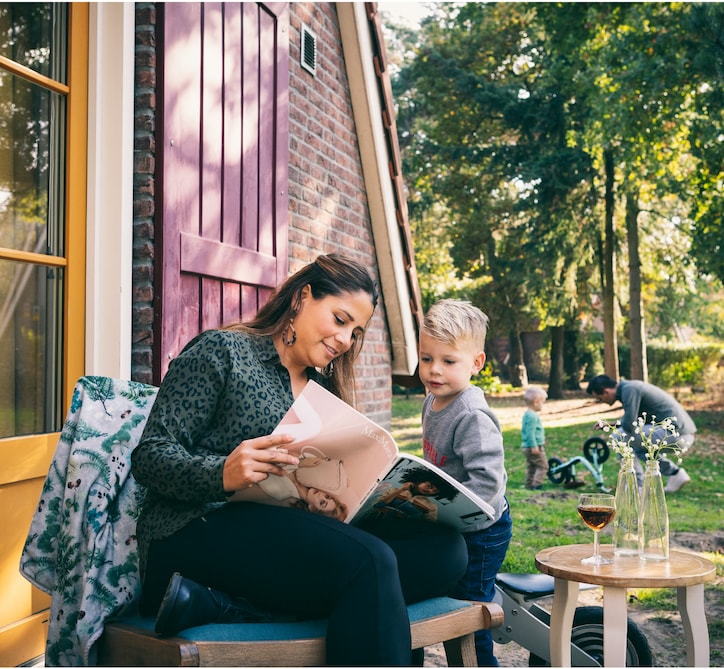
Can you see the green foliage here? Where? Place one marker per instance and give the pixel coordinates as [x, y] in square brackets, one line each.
[672, 365]
[591, 355]
[490, 383]
[486, 153]
[504, 113]
[705, 23]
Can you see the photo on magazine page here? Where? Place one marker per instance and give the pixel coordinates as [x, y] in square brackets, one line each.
[418, 490]
[343, 455]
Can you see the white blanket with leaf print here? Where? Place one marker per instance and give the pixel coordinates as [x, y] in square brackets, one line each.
[81, 548]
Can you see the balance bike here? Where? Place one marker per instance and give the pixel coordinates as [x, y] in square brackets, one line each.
[595, 453]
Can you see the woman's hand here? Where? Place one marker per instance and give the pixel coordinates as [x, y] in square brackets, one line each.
[254, 459]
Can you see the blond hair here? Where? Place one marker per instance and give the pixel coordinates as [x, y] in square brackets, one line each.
[456, 321]
[532, 393]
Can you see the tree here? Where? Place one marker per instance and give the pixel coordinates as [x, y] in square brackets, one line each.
[489, 141]
[644, 102]
[533, 131]
[637, 332]
[705, 22]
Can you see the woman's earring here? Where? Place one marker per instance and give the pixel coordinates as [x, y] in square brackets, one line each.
[286, 338]
[328, 370]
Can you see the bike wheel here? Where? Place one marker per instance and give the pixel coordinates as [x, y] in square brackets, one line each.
[587, 634]
[600, 447]
[560, 475]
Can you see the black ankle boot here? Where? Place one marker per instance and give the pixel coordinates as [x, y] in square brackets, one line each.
[188, 604]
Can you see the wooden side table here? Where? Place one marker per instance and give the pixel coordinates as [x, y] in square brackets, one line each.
[687, 572]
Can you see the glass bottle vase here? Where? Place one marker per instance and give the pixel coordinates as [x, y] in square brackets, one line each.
[626, 520]
[654, 516]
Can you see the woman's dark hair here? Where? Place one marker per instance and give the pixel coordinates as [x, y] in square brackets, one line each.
[419, 475]
[331, 274]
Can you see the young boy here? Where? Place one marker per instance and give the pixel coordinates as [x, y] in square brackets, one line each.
[461, 435]
[533, 438]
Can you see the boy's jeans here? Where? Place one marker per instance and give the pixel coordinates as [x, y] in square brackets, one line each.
[486, 552]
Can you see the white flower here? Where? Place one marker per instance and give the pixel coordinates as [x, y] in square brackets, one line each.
[618, 440]
[670, 440]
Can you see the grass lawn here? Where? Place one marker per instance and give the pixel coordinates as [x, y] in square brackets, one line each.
[548, 517]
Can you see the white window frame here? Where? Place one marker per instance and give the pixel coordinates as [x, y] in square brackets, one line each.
[109, 233]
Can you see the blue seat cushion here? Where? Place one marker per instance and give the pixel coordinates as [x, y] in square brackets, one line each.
[307, 629]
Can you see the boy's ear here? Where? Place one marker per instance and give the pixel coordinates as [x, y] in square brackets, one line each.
[478, 362]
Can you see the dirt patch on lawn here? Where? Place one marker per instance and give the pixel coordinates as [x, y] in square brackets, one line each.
[578, 407]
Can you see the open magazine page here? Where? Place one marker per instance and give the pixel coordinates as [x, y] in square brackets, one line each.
[343, 455]
[417, 489]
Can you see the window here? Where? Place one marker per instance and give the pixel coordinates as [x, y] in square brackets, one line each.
[33, 214]
[43, 164]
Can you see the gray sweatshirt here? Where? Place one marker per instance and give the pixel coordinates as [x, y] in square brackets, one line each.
[465, 441]
[639, 397]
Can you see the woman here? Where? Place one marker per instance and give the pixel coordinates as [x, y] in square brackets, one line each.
[209, 435]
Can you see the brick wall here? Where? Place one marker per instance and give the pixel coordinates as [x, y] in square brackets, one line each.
[327, 200]
[144, 193]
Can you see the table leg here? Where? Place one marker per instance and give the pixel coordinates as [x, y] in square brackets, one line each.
[693, 617]
[615, 626]
[565, 598]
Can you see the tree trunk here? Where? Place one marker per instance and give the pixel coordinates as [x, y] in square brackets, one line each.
[516, 365]
[571, 361]
[637, 332]
[555, 378]
[610, 343]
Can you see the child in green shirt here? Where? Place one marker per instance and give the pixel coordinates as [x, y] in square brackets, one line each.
[533, 438]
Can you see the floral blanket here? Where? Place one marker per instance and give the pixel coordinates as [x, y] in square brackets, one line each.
[81, 547]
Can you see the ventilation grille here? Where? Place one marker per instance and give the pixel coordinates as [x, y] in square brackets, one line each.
[308, 54]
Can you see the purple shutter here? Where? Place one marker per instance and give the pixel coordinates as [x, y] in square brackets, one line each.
[223, 154]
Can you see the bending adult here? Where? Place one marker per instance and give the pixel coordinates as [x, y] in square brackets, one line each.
[206, 559]
[639, 398]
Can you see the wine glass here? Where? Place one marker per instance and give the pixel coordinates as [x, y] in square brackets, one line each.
[597, 511]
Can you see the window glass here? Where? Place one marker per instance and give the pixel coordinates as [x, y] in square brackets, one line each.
[25, 165]
[32, 183]
[28, 34]
[30, 309]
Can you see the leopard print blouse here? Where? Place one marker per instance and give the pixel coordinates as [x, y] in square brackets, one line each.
[224, 387]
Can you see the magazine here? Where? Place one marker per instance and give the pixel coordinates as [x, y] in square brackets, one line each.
[351, 468]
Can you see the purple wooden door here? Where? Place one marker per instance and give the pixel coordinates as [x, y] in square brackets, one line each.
[223, 151]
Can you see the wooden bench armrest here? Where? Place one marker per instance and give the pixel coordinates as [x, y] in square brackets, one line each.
[492, 614]
[457, 623]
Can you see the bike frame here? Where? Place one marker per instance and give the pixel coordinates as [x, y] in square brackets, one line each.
[528, 625]
[594, 469]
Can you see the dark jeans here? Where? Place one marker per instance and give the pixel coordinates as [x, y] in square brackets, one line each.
[486, 552]
[294, 561]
